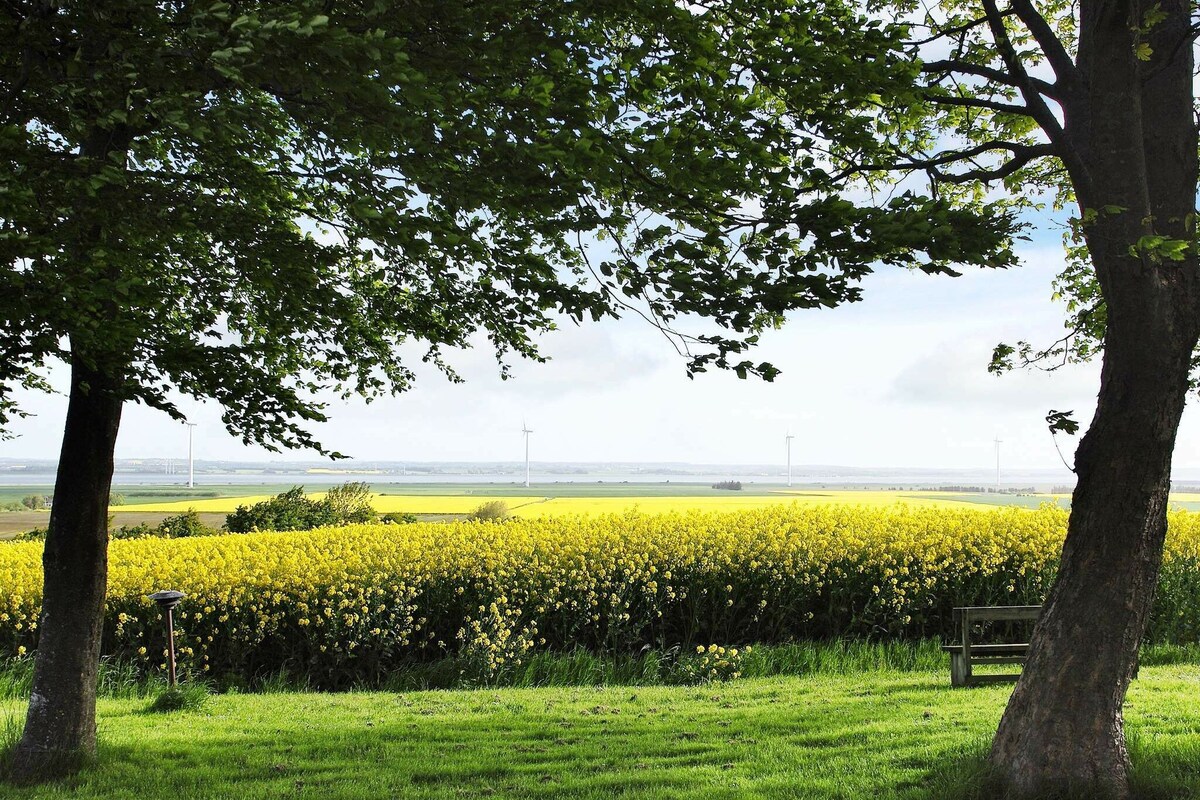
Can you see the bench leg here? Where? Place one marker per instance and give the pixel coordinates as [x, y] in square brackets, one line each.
[958, 669]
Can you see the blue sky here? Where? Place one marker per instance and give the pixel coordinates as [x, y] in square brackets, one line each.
[897, 380]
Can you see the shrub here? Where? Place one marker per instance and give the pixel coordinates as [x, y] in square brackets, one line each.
[178, 526]
[491, 511]
[735, 486]
[142, 530]
[183, 525]
[116, 499]
[398, 518]
[290, 511]
[350, 503]
[347, 504]
[35, 535]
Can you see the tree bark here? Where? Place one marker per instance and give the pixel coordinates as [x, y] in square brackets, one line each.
[1133, 143]
[60, 726]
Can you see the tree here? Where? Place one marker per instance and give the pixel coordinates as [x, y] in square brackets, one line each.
[255, 203]
[350, 503]
[1089, 104]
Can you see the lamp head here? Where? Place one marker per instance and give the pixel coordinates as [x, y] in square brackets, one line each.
[167, 599]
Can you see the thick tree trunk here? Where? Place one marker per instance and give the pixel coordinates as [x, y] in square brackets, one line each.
[1132, 143]
[60, 727]
[1063, 726]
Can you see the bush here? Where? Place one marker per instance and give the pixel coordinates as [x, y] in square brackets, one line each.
[350, 503]
[179, 526]
[492, 511]
[142, 530]
[347, 504]
[735, 486]
[290, 511]
[116, 499]
[35, 535]
[37, 502]
[183, 525]
[398, 518]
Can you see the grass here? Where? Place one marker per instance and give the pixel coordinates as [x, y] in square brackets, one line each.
[884, 735]
[577, 668]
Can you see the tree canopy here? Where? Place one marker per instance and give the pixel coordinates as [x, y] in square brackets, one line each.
[255, 202]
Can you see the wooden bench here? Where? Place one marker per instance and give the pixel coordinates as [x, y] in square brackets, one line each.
[966, 655]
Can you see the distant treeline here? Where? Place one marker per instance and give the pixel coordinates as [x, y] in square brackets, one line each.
[735, 486]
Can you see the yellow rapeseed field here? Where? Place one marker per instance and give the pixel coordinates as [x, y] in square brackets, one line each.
[383, 504]
[567, 506]
[341, 604]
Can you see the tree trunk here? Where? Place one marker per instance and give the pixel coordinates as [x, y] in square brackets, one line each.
[1062, 728]
[1132, 143]
[60, 727]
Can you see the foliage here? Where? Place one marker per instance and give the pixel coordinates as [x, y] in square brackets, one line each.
[398, 518]
[141, 530]
[735, 486]
[354, 603]
[173, 527]
[32, 535]
[293, 511]
[350, 503]
[37, 502]
[254, 204]
[116, 499]
[491, 511]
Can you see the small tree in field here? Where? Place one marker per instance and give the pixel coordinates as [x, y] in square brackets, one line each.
[491, 511]
[350, 503]
[255, 203]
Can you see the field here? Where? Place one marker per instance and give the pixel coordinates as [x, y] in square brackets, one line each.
[443, 501]
[351, 605]
[543, 501]
[881, 735]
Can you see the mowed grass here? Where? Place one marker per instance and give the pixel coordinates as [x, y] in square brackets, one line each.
[877, 735]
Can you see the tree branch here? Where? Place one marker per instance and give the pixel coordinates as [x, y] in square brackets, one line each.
[978, 102]
[1052, 47]
[1036, 104]
[949, 66]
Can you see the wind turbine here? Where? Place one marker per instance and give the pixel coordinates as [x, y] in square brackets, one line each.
[788, 441]
[526, 431]
[997, 442]
[191, 465]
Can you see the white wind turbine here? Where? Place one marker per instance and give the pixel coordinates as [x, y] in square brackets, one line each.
[526, 431]
[788, 441]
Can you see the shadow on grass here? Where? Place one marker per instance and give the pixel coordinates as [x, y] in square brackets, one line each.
[893, 737]
[1163, 771]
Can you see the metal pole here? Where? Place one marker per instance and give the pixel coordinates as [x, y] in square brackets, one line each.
[170, 648]
[526, 459]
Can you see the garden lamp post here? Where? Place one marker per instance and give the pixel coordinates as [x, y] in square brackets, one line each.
[167, 600]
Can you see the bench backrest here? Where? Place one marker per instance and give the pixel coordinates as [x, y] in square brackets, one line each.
[969, 614]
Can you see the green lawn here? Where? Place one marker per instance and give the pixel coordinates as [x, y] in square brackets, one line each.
[876, 735]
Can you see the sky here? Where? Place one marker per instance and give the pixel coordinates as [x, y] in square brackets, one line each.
[897, 380]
